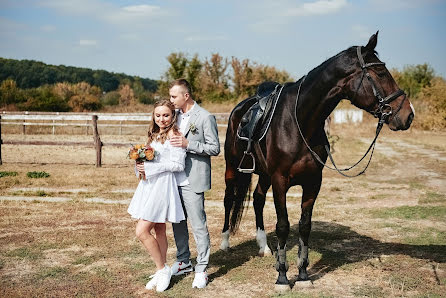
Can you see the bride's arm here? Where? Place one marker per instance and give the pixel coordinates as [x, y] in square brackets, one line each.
[175, 163]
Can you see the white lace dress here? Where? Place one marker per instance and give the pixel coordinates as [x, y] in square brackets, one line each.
[156, 199]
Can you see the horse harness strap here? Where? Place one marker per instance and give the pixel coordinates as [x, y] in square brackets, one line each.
[384, 110]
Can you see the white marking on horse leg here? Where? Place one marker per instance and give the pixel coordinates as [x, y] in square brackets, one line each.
[261, 242]
[413, 109]
[225, 241]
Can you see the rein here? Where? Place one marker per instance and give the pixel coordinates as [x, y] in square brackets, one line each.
[383, 111]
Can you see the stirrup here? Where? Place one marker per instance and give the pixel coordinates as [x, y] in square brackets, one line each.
[247, 171]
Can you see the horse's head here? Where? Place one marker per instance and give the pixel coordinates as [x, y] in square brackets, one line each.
[371, 87]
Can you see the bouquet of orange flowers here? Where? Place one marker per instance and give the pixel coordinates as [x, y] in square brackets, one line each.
[142, 153]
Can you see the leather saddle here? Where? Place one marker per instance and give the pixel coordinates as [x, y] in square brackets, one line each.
[254, 120]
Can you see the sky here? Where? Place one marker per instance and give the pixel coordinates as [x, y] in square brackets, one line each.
[135, 36]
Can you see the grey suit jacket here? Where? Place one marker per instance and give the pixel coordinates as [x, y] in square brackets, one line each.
[202, 135]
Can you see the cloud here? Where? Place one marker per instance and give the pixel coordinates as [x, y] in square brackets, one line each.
[88, 42]
[205, 38]
[282, 13]
[105, 11]
[385, 5]
[320, 7]
[132, 13]
[142, 9]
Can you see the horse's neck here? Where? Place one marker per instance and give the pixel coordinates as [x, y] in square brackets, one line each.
[320, 94]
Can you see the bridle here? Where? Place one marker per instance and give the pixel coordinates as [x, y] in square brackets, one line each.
[382, 112]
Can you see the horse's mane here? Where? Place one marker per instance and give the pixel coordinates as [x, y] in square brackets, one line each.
[321, 67]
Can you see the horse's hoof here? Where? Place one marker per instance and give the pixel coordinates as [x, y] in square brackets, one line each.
[299, 284]
[225, 241]
[224, 247]
[282, 288]
[265, 252]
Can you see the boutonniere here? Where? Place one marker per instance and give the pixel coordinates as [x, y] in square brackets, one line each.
[193, 129]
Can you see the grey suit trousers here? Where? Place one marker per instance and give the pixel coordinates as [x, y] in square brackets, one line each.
[194, 208]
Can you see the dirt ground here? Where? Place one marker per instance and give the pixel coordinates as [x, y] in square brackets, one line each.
[382, 234]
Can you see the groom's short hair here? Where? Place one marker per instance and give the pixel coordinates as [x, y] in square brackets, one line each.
[184, 83]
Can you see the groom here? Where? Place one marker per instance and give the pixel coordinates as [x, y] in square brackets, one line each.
[200, 139]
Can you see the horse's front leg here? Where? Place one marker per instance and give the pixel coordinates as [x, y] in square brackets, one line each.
[259, 203]
[309, 195]
[228, 202]
[280, 188]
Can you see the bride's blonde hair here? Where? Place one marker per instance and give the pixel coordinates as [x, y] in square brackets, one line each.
[155, 132]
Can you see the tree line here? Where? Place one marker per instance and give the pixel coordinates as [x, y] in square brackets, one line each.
[32, 74]
[35, 86]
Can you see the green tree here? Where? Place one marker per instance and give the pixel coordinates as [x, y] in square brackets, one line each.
[178, 64]
[413, 78]
[181, 67]
[214, 79]
[193, 70]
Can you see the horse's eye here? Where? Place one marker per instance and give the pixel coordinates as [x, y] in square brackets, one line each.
[381, 74]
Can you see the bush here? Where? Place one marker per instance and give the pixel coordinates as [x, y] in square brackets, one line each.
[146, 98]
[5, 174]
[37, 174]
[111, 98]
[43, 99]
[430, 105]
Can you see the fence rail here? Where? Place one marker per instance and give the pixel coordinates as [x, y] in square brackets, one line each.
[25, 119]
[87, 120]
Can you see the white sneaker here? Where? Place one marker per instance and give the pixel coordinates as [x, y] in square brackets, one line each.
[179, 268]
[152, 282]
[200, 280]
[163, 279]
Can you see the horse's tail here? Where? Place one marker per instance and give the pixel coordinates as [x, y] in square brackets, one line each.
[241, 186]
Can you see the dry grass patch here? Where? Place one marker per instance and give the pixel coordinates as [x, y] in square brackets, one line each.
[382, 234]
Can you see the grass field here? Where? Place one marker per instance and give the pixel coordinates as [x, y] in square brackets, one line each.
[379, 235]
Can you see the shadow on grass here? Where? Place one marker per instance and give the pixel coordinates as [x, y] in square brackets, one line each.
[337, 244]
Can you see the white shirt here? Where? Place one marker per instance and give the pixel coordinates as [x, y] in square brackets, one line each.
[183, 119]
[182, 123]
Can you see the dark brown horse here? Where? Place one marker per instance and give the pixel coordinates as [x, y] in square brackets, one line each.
[295, 142]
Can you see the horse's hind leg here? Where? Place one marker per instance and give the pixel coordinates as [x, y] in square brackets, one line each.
[309, 196]
[228, 202]
[259, 203]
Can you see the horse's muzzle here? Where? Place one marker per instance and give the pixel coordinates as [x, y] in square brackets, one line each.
[401, 122]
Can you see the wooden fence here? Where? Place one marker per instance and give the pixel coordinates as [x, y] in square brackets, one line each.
[91, 121]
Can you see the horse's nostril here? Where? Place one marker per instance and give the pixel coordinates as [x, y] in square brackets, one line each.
[410, 119]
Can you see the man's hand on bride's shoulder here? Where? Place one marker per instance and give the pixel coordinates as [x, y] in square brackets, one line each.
[179, 140]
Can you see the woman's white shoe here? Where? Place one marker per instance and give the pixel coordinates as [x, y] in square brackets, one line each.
[152, 282]
[163, 279]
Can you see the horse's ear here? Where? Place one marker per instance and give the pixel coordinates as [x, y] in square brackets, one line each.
[372, 42]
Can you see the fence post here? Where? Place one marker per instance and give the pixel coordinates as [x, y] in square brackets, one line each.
[54, 129]
[1, 141]
[97, 141]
